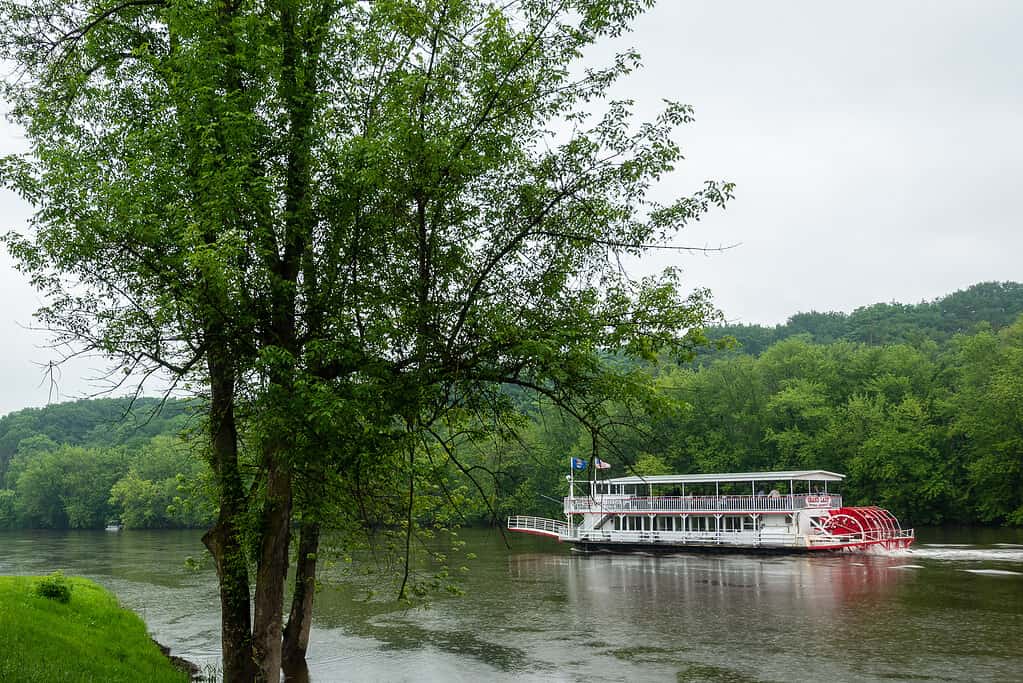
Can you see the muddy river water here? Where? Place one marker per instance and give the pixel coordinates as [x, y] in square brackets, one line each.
[950, 609]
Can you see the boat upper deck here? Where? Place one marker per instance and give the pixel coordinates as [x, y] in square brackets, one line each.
[732, 478]
[739, 492]
[618, 504]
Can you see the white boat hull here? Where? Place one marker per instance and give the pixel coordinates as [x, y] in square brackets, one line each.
[779, 539]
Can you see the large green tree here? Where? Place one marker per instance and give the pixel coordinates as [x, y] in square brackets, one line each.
[344, 223]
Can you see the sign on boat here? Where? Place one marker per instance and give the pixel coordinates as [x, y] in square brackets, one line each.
[781, 511]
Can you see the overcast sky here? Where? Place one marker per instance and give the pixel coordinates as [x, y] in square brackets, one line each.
[877, 150]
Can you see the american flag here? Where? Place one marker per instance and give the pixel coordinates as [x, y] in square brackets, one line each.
[601, 465]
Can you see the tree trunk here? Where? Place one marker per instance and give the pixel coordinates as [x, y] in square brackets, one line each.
[235, 627]
[300, 620]
[224, 539]
[272, 573]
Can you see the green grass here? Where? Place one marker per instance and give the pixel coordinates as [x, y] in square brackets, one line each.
[90, 638]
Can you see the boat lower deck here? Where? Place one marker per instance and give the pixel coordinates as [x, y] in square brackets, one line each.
[760, 538]
[672, 548]
[771, 538]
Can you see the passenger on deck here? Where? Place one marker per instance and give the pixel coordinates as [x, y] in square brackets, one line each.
[775, 493]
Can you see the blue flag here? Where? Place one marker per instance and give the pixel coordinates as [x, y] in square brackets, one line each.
[578, 464]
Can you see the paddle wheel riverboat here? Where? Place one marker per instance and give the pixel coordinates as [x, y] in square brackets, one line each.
[668, 512]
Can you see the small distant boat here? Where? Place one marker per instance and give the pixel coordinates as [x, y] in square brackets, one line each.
[113, 526]
[659, 513]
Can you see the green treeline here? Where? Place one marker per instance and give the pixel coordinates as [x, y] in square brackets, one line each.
[81, 465]
[921, 406]
[927, 420]
[995, 303]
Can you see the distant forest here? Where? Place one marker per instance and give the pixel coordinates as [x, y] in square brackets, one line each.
[995, 304]
[921, 405]
[84, 464]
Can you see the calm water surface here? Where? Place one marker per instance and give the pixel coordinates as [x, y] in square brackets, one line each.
[949, 610]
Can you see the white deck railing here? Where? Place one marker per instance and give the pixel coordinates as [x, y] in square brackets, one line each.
[760, 538]
[746, 538]
[660, 504]
[538, 525]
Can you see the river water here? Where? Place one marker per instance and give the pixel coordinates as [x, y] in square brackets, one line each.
[950, 609]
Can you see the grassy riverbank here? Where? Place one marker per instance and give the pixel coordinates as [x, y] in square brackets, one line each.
[90, 638]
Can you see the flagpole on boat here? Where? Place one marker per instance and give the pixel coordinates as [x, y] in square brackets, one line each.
[571, 492]
[571, 479]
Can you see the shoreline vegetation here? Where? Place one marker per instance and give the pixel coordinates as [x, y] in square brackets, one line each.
[90, 637]
[914, 403]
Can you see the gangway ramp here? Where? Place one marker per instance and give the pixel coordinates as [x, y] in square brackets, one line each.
[538, 525]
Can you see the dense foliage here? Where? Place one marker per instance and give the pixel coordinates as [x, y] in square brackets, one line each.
[81, 465]
[352, 226]
[931, 429]
[995, 303]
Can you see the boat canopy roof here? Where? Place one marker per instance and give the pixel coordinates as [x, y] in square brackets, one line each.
[800, 475]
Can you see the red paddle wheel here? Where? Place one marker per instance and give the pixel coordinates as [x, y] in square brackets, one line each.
[864, 526]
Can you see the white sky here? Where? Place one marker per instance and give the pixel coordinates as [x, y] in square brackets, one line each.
[877, 149]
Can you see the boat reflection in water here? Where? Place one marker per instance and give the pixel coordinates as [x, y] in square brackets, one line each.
[727, 616]
[765, 581]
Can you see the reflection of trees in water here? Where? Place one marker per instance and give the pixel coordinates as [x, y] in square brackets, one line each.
[613, 585]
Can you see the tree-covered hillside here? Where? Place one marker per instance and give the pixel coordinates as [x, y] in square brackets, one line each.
[95, 423]
[82, 464]
[996, 304]
[918, 404]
